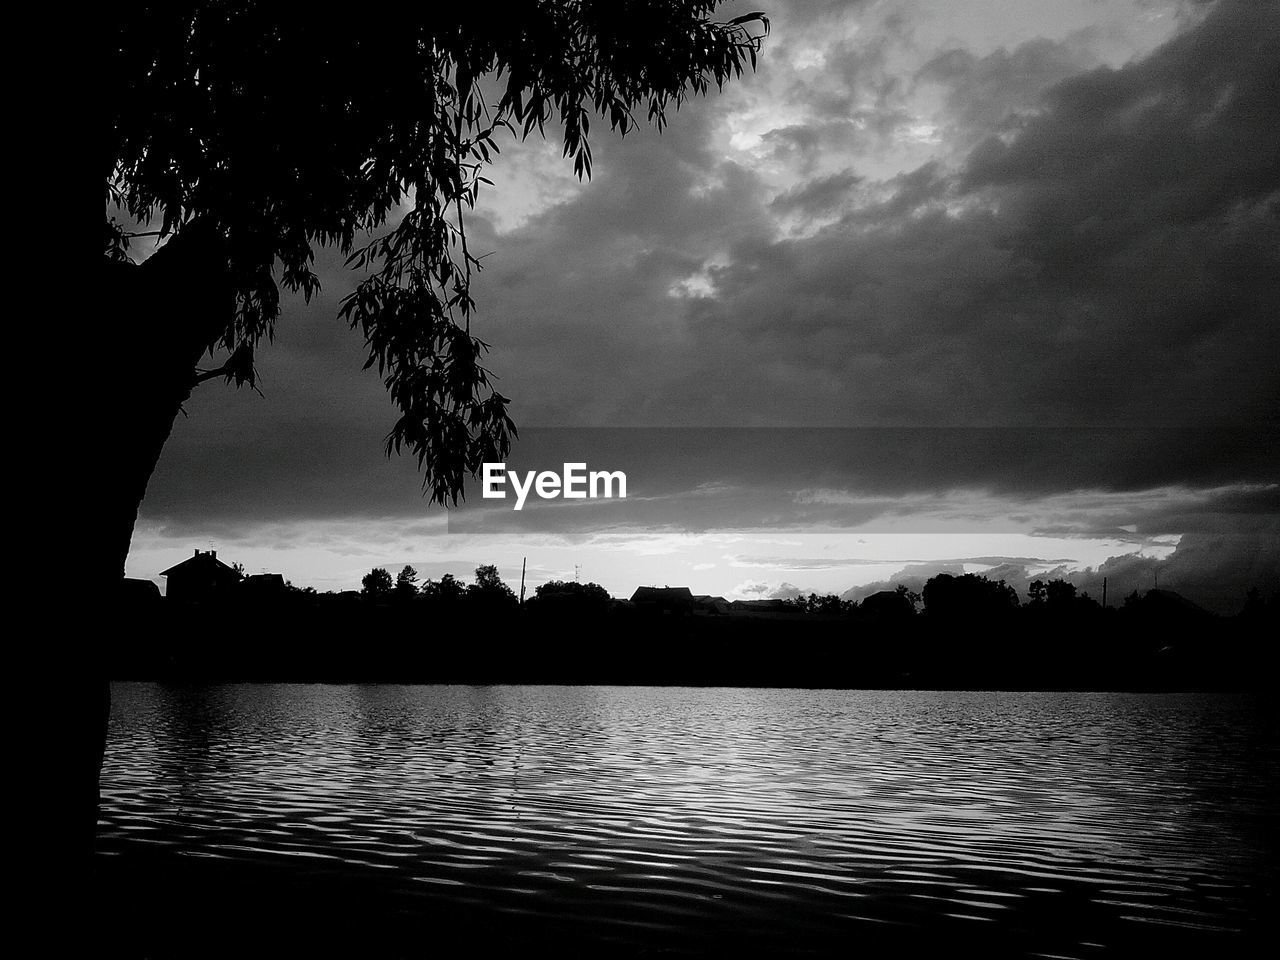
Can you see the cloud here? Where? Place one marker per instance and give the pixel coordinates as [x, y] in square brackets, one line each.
[1212, 570]
[817, 196]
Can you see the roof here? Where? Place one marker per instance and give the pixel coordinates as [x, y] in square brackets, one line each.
[656, 594]
[1172, 601]
[132, 590]
[774, 604]
[200, 563]
[883, 594]
[264, 581]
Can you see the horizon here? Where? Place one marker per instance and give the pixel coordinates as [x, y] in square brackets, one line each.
[913, 574]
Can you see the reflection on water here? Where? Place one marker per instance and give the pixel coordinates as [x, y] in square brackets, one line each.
[801, 813]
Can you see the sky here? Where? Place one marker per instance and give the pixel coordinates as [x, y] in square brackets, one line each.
[983, 285]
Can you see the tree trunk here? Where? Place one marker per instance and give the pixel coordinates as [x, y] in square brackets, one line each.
[166, 313]
[157, 320]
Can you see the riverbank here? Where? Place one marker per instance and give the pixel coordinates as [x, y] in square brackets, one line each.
[311, 641]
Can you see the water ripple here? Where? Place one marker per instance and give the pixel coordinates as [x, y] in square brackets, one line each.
[655, 808]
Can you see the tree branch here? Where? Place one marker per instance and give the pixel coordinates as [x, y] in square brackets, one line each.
[202, 375]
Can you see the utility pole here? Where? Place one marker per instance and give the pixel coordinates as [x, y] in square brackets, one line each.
[523, 563]
[1104, 592]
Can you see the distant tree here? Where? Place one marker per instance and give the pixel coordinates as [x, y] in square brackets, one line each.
[445, 590]
[406, 587]
[1054, 594]
[909, 595]
[570, 597]
[970, 596]
[571, 588]
[827, 604]
[489, 590]
[376, 584]
[1057, 603]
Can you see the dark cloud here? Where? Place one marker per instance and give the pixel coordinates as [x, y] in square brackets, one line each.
[817, 196]
[991, 95]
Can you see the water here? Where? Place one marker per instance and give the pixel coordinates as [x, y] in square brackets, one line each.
[1062, 823]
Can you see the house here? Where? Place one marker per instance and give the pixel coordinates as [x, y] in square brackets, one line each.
[756, 607]
[1168, 606]
[199, 578]
[136, 594]
[666, 600]
[705, 605]
[263, 586]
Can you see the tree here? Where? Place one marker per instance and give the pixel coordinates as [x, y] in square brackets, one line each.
[248, 137]
[970, 596]
[569, 597]
[376, 584]
[828, 604]
[446, 590]
[490, 591]
[1057, 595]
[406, 583]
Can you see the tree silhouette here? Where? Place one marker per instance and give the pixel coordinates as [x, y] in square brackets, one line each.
[969, 596]
[828, 604]
[249, 136]
[446, 590]
[406, 587]
[909, 595]
[490, 591]
[376, 584]
[570, 598]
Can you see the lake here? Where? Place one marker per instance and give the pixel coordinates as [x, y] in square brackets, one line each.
[686, 820]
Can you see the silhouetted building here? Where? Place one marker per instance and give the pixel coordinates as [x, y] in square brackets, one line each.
[1168, 606]
[138, 593]
[263, 586]
[705, 605]
[670, 600]
[763, 606]
[199, 578]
